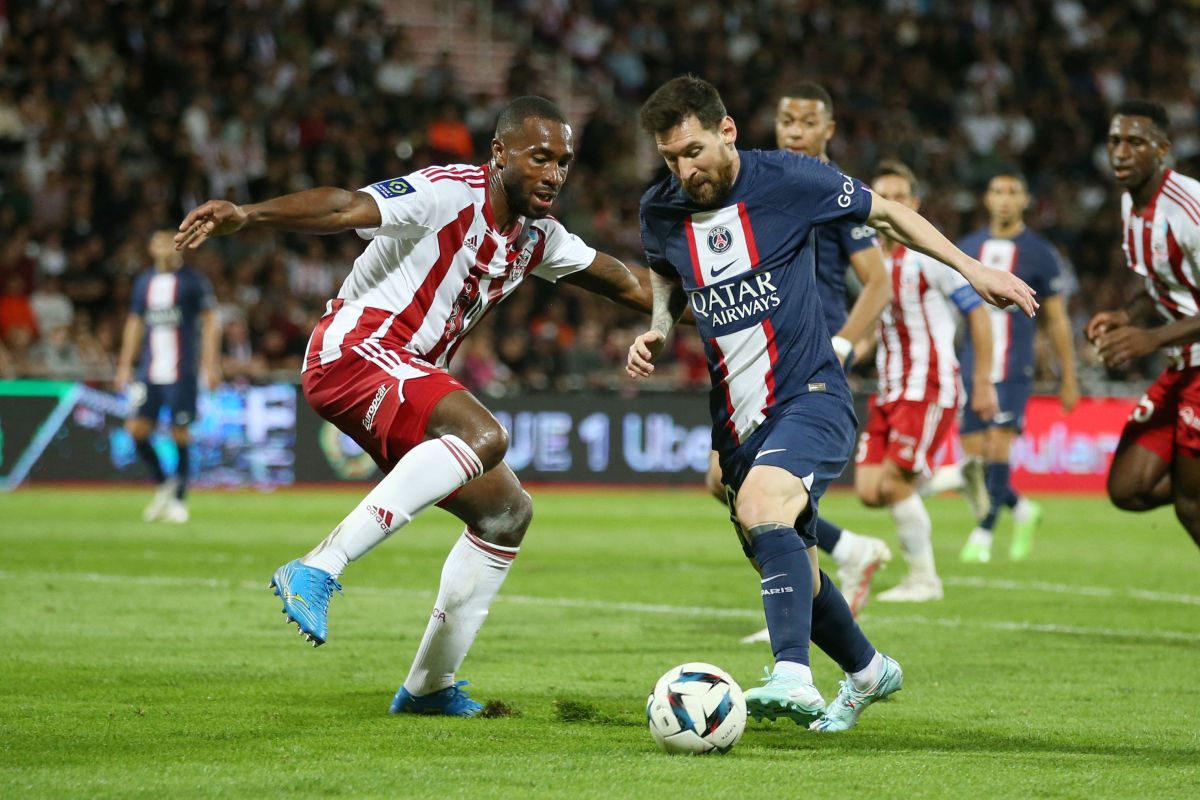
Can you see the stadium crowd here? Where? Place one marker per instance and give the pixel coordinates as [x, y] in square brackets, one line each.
[116, 118]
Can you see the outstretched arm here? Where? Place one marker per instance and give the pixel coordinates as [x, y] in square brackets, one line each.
[608, 277]
[323, 210]
[901, 223]
[669, 303]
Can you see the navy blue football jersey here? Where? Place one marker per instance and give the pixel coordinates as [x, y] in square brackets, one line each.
[170, 304]
[748, 268]
[1033, 260]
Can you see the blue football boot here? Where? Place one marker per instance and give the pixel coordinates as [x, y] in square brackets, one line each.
[305, 592]
[449, 702]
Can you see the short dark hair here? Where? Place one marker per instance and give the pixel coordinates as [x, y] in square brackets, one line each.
[1145, 108]
[892, 167]
[680, 98]
[1009, 171]
[513, 117]
[807, 90]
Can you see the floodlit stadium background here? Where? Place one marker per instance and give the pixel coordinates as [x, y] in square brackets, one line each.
[115, 119]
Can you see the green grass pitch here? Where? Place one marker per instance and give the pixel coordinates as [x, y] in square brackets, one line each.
[151, 661]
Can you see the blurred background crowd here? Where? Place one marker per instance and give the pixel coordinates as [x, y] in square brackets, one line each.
[118, 117]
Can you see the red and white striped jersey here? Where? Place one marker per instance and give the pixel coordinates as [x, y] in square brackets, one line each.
[435, 266]
[1162, 244]
[916, 358]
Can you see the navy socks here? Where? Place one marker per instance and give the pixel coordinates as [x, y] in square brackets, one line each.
[828, 535]
[146, 453]
[835, 631]
[787, 590]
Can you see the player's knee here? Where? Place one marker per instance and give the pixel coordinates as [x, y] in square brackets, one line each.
[506, 525]
[1128, 496]
[489, 441]
[868, 493]
[138, 428]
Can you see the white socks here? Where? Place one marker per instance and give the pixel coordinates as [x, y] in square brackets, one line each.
[802, 671]
[471, 577]
[425, 475]
[868, 676]
[915, 532]
[1023, 510]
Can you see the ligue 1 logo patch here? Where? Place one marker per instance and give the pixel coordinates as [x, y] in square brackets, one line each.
[719, 239]
[396, 187]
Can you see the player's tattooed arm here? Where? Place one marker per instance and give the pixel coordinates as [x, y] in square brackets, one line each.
[669, 303]
[901, 223]
[322, 210]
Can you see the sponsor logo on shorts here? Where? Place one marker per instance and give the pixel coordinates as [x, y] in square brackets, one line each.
[368, 421]
[817, 387]
[1188, 416]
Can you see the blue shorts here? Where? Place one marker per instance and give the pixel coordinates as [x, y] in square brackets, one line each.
[148, 399]
[1013, 397]
[812, 439]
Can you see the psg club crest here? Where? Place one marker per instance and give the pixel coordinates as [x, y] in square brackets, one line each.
[719, 239]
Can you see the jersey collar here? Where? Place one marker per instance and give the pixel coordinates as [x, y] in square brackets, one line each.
[1153, 201]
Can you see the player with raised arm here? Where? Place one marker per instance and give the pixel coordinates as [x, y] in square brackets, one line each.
[919, 393]
[1007, 243]
[1157, 461]
[173, 325]
[804, 124]
[447, 243]
[727, 233]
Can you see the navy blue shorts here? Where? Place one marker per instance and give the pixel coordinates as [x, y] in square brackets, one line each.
[812, 439]
[148, 399]
[1013, 397]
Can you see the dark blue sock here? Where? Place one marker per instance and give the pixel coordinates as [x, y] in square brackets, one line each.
[835, 631]
[183, 470]
[1010, 494]
[786, 591]
[995, 477]
[828, 535]
[145, 451]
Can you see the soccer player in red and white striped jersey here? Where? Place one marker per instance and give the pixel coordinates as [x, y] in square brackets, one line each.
[919, 392]
[446, 245]
[1157, 461]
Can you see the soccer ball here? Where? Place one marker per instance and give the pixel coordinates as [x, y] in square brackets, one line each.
[696, 708]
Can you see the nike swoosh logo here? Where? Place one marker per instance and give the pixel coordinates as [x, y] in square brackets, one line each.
[762, 453]
[773, 577]
[717, 272]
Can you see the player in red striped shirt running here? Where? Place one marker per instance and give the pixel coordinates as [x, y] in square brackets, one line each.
[446, 245]
[919, 394]
[1157, 461]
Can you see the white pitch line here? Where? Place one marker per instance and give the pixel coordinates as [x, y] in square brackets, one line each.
[637, 608]
[1065, 588]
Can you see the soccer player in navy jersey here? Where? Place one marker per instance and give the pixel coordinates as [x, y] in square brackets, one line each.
[728, 233]
[173, 322]
[1006, 243]
[804, 124]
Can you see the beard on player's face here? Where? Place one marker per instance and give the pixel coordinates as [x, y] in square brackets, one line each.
[519, 192]
[709, 188]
